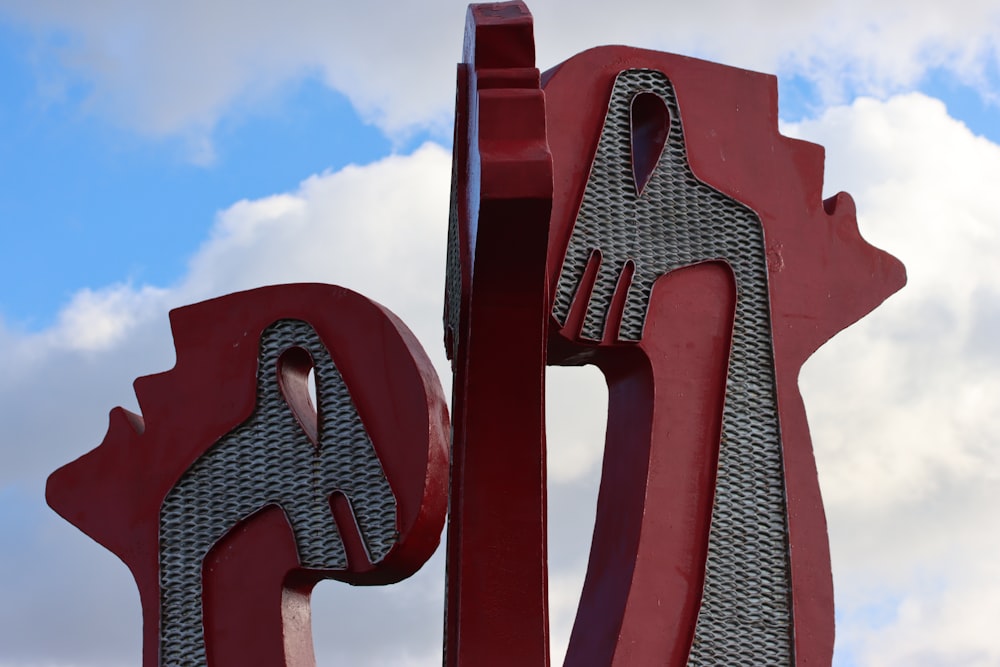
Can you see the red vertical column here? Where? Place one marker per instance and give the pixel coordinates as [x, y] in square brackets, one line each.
[496, 327]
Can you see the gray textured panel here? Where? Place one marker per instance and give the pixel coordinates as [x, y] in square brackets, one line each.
[745, 617]
[453, 271]
[269, 460]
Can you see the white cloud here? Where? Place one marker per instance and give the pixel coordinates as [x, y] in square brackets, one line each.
[903, 406]
[575, 427]
[176, 67]
[919, 178]
[378, 229]
[97, 320]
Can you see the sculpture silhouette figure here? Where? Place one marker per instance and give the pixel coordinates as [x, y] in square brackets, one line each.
[233, 495]
[688, 253]
[697, 265]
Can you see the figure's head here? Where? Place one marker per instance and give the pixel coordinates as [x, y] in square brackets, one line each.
[115, 492]
[618, 116]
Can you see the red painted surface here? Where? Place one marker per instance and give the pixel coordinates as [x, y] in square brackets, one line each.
[256, 595]
[524, 146]
[496, 594]
[643, 590]
[655, 504]
[822, 277]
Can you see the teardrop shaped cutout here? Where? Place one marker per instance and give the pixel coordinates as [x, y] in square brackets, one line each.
[295, 367]
[650, 124]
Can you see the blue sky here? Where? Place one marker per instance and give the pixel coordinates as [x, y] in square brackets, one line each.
[131, 207]
[157, 154]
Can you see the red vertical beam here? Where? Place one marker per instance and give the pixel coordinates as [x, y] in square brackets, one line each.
[502, 198]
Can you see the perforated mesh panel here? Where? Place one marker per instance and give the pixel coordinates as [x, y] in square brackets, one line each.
[268, 460]
[453, 273]
[745, 616]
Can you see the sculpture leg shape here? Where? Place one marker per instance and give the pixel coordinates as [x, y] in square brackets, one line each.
[647, 563]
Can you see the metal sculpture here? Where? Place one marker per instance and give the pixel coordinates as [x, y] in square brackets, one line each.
[496, 287]
[691, 257]
[232, 495]
[631, 209]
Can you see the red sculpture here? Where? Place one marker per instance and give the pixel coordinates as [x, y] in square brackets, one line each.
[232, 495]
[691, 257]
[496, 287]
[631, 209]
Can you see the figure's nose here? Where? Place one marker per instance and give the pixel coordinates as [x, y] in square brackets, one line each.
[882, 274]
[82, 492]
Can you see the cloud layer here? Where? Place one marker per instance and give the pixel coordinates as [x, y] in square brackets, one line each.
[176, 68]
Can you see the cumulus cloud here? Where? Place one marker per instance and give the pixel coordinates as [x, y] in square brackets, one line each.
[173, 68]
[176, 67]
[919, 178]
[903, 406]
[97, 320]
[378, 229]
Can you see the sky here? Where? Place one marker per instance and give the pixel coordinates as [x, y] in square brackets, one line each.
[157, 154]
